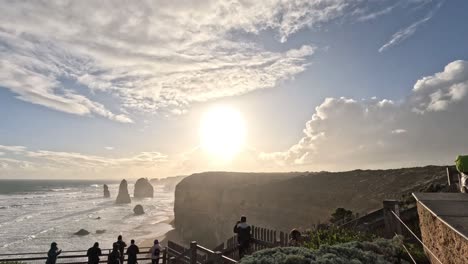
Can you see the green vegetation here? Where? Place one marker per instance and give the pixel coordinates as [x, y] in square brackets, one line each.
[379, 251]
[334, 235]
[342, 215]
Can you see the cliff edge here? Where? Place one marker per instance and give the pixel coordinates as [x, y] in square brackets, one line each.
[207, 205]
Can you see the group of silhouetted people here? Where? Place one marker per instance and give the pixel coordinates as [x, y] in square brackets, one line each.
[116, 256]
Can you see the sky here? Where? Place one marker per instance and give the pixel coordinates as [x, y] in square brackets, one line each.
[112, 89]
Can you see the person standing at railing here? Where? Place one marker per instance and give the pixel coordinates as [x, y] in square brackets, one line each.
[53, 253]
[242, 229]
[155, 251]
[121, 245]
[93, 254]
[114, 256]
[132, 252]
[295, 238]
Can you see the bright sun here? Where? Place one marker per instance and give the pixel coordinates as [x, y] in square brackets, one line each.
[222, 132]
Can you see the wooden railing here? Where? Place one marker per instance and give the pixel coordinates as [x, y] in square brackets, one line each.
[227, 252]
[67, 257]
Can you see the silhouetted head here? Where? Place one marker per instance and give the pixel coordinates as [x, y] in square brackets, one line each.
[119, 238]
[53, 245]
[295, 234]
[96, 244]
[156, 241]
[132, 241]
[243, 219]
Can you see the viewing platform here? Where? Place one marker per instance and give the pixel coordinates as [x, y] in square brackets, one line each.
[443, 218]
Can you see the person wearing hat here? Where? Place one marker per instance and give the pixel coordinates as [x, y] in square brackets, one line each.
[53, 253]
[155, 251]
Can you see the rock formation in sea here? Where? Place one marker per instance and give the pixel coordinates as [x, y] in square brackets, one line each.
[82, 232]
[138, 210]
[123, 197]
[143, 189]
[106, 191]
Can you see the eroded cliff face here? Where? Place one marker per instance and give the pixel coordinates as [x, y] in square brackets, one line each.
[207, 205]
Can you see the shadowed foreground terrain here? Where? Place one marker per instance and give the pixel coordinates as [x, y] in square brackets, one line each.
[207, 205]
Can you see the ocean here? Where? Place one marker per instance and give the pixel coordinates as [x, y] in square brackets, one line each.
[34, 213]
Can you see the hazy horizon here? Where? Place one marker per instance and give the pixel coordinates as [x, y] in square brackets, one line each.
[105, 90]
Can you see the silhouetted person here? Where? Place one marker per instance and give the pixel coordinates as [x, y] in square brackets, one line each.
[242, 229]
[114, 256]
[93, 254]
[121, 246]
[155, 251]
[295, 238]
[132, 252]
[53, 253]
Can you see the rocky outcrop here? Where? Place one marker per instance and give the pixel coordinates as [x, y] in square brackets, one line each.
[106, 191]
[123, 197]
[138, 210]
[207, 205]
[82, 232]
[143, 189]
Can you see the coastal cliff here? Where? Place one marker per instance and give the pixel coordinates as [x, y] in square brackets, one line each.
[207, 205]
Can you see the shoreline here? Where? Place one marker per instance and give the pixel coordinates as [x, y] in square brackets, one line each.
[163, 239]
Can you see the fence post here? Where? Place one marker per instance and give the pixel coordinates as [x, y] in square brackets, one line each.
[218, 257]
[193, 252]
[392, 224]
[164, 256]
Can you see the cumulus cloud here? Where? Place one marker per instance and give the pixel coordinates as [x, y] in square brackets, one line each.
[429, 127]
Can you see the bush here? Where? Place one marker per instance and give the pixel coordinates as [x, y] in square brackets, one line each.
[380, 251]
[334, 235]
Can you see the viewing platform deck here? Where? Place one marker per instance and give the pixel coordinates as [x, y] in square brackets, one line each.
[443, 219]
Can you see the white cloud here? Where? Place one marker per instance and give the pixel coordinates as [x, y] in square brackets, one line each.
[428, 128]
[399, 131]
[109, 148]
[407, 32]
[150, 56]
[153, 56]
[21, 161]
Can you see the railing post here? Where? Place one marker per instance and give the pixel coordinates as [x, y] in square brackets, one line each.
[193, 252]
[172, 260]
[164, 256]
[218, 257]
[392, 224]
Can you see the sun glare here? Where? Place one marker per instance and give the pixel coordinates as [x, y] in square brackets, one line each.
[222, 132]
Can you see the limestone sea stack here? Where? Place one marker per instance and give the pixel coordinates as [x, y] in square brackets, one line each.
[106, 191]
[138, 210]
[143, 189]
[123, 197]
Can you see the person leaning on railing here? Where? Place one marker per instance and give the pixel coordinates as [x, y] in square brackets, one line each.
[53, 253]
[114, 256]
[295, 238]
[155, 251]
[132, 252]
[93, 254]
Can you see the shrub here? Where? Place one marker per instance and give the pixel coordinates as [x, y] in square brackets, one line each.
[334, 235]
[380, 251]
